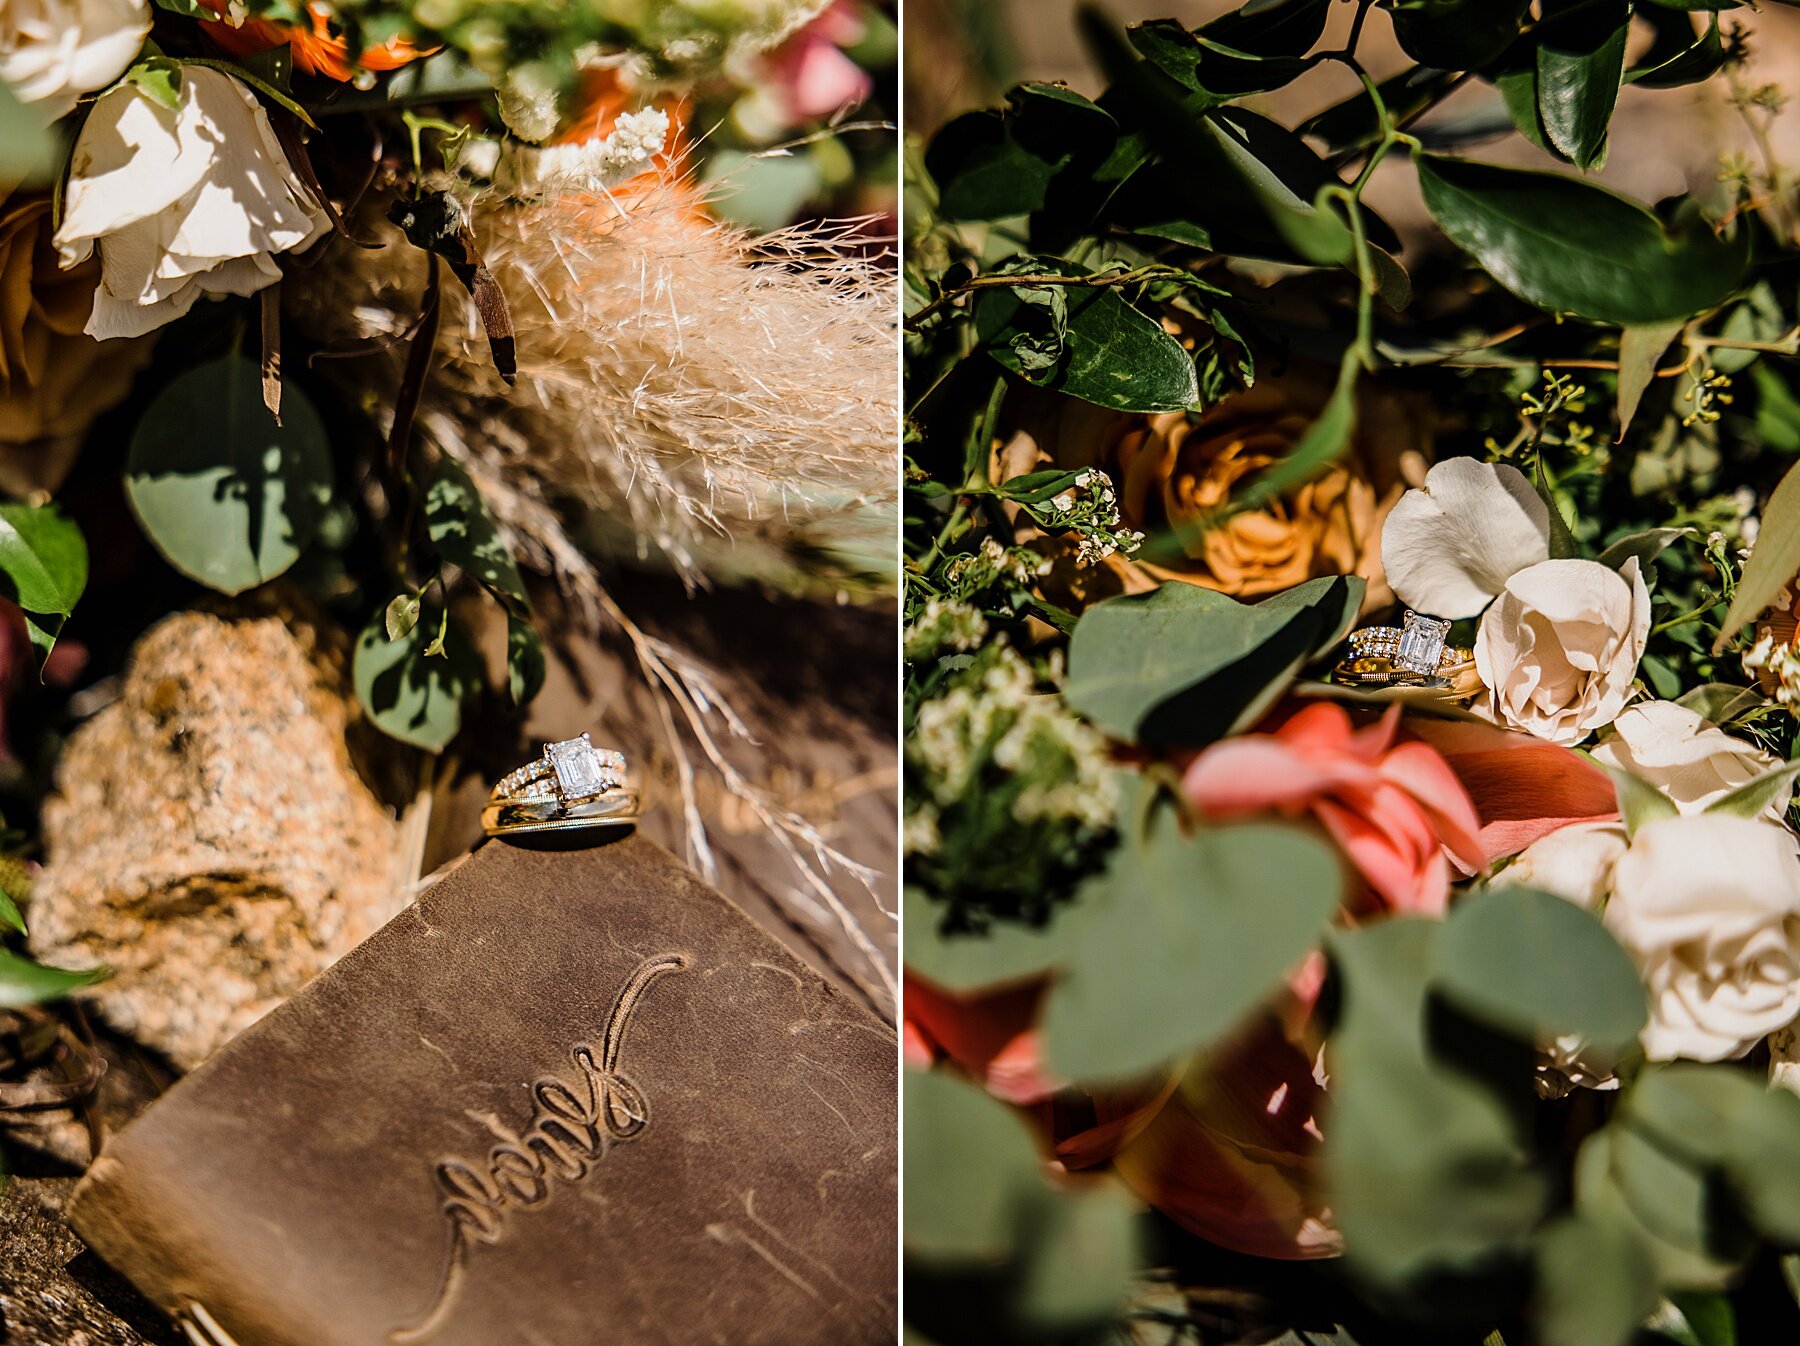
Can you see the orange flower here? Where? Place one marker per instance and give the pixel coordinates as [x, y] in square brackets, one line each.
[319, 52]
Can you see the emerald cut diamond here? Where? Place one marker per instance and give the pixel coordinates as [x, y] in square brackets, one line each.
[1422, 644]
[582, 769]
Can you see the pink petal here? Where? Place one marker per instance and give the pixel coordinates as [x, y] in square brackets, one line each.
[1257, 772]
[1426, 776]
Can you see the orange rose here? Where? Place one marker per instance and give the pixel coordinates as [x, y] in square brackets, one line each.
[1173, 471]
[319, 52]
[54, 379]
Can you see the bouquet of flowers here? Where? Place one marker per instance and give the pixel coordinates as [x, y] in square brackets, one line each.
[1350, 703]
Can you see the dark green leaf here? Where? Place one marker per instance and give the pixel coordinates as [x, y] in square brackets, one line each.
[1645, 546]
[1571, 247]
[408, 694]
[229, 497]
[43, 568]
[991, 166]
[1180, 939]
[10, 919]
[1458, 34]
[1112, 355]
[1540, 967]
[466, 535]
[1580, 63]
[1595, 1283]
[1678, 56]
[1240, 53]
[24, 982]
[970, 1168]
[1185, 665]
[1698, 1318]
[524, 660]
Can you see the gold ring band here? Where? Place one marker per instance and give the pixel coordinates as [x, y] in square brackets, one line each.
[615, 808]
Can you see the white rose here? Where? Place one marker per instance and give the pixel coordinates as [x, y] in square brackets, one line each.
[1708, 906]
[1559, 649]
[182, 203]
[1574, 862]
[1684, 755]
[1449, 546]
[53, 51]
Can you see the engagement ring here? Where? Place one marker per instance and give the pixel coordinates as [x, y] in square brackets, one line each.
[574, 784]
[1414, 654]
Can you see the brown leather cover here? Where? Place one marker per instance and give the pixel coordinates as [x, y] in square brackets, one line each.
[570, 1097]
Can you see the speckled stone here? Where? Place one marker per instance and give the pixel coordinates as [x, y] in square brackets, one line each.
[53, 1292]
[211, 839]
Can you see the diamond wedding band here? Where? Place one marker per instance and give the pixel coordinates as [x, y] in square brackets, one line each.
[573, 785]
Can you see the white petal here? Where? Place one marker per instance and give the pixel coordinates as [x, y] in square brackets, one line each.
[1451, 545]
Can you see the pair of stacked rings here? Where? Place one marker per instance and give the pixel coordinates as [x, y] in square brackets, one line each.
[573, 785]
[1414, 654]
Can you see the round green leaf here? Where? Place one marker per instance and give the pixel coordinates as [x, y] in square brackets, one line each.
[1180, 939]
[970, 1166]
[410, 695]
[229, 497]
[1571, 247]
[1536, 965]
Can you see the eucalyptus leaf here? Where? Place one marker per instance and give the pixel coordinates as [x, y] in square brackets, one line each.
[229, 497]
[28, 147]
[1537, 965]
[1774, 562]
[1595, 1282]
[1008, 952]
[1571, 247]
[1673, 1208]
[1186, 665]
[465, 534]
[1180, 938]
[1640, 802]
[1082, 1253]
[409, 694]
[524, 660]
[1640, 347]
[971, 1168]
[1426, 1173]
[25, 982]
[43, 569]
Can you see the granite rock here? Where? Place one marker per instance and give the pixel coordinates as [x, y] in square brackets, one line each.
[211, 839]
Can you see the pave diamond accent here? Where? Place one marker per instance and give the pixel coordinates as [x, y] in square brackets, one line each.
[1421, 644]
[582, 769]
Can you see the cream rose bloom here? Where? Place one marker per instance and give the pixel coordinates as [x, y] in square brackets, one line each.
[1559, 648]
[180, 203]
[1686, 756]
[53, 51]
[1708, 906]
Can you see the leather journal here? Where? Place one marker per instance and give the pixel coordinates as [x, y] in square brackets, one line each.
[569, 1097]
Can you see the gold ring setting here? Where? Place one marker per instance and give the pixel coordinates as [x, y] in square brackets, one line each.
[1411, 655]
[573, 785]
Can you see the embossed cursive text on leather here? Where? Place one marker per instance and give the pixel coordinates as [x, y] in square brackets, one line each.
[572, 1125]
